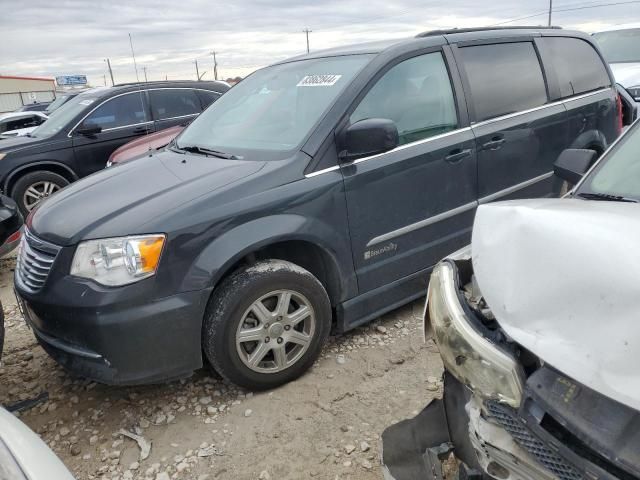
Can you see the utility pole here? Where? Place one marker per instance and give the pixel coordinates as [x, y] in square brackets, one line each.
[550, 10]
[307, 31]
[104, 77]
[215, 66]
[197, 71]
[135, 65]
[144, 69]
[110, 71]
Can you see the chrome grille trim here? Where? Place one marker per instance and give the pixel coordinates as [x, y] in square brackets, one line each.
[34, 262]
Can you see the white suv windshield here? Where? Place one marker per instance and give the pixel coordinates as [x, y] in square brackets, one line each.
[273, 109]
[618, 173]
[620, 45]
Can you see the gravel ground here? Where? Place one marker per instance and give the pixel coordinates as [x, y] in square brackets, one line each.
[326, 425]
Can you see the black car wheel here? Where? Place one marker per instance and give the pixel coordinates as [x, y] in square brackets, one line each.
[34, 187]
[266, 324]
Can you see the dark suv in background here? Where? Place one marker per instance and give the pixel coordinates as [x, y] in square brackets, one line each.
[86, 129]
[318, 193]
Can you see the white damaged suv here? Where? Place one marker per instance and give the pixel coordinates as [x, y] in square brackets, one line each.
[538, 326]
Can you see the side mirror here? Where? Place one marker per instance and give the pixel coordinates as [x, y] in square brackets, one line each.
[573, 163]
[367, 137]
[88, 129]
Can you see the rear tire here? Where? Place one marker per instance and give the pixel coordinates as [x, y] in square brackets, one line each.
[266, 324]
[30, 189]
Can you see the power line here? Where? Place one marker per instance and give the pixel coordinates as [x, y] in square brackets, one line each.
[571, 9]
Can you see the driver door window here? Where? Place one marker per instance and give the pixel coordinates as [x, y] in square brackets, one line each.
[122, 111]
[416, 94]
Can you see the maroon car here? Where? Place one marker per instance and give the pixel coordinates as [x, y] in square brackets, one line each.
[142, 145]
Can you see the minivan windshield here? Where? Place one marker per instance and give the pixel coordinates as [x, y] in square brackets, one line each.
[273, 110]
[63, 116]
[620, 45]
[618, 173]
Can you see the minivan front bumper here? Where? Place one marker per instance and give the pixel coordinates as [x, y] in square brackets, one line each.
[121, 342]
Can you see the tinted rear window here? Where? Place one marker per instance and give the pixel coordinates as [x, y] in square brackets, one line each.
[174, 102]
[504, 78]
[207, 97]
[578, 66]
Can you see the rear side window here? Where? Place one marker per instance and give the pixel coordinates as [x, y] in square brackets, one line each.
[207, 97]
[578, 66]
[122, 111]
[504, 78]
[416, 94]
[171, 103]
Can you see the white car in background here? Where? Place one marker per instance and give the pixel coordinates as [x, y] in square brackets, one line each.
[17, 124]
[621, 49]
[23, 456]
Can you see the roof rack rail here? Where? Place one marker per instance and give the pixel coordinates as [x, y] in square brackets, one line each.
[484, 29]
[160, 82]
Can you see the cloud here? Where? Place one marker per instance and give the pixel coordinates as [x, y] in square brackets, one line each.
[74, 36]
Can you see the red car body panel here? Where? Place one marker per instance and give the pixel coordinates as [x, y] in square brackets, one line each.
[140, 146]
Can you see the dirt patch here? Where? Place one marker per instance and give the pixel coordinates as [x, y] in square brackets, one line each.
[326, 425]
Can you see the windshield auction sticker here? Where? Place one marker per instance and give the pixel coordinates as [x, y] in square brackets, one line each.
[319, 81]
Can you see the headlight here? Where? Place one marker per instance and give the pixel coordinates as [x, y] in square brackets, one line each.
[118, 261]
[471, 358]
[2, 155]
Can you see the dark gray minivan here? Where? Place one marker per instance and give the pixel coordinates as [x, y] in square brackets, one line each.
[317, 193]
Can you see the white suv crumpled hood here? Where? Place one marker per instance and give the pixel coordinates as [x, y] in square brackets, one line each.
[562, 277]
[626, 74]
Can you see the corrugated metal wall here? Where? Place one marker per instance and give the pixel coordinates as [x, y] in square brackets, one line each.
[37, 97]
[9, 102]
[18, 91]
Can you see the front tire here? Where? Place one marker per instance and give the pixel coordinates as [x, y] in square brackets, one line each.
[34, 187]
[266, 324]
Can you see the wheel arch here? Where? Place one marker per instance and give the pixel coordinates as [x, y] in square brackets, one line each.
[45, 165]
[290, 237]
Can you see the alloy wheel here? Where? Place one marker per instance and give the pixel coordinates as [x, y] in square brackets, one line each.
[37, 192]
[275, 331]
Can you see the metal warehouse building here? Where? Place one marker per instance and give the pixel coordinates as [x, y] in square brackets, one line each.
[18, 91]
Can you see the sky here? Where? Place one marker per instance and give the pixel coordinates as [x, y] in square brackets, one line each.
[73, 37]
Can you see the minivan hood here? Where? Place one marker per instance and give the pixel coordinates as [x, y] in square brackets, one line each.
[626, 74]
[562, 279]
[121, 200]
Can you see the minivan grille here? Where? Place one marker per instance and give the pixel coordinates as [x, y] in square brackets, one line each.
[34, 262]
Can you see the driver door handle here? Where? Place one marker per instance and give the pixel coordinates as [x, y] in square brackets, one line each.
[494, 144]
[457, 155]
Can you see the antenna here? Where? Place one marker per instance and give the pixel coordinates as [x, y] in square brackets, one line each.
[134, 58]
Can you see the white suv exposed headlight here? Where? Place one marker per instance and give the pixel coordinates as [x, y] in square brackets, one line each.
[118, 261]
[475, 361]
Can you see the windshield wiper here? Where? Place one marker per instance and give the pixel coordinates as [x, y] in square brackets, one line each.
[207, 151]
[607, 197]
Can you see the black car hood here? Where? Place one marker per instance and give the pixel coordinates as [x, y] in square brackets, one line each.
[16, 143]
[122, 199]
